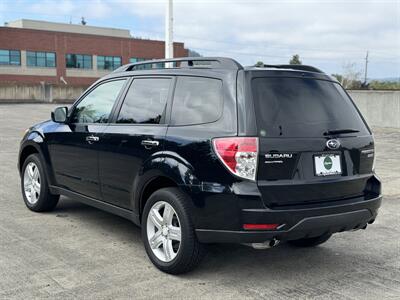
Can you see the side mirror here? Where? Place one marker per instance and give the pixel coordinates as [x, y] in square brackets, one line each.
[59, 115]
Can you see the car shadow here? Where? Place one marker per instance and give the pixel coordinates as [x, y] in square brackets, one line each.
[230, 260]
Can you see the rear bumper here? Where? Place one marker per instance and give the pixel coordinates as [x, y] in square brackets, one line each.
[298, 223]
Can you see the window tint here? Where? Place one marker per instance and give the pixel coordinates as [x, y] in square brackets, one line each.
[197, 100]
[96, 106]
[302, 107]
[145, 101]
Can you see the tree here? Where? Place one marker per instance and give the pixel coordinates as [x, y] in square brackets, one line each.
[350, 79]
[351, 76]
[338, 77]
[295, 60]
[259, 64]
[384, 85]
[192, 53]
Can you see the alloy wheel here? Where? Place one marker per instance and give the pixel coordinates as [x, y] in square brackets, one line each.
[163, 231]
[32, 183]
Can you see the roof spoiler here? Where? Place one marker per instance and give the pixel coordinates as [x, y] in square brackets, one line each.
[294, 67]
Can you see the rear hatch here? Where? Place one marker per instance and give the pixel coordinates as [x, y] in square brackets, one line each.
[313, 144]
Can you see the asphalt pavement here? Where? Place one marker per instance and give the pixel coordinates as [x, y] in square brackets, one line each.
[77, 251]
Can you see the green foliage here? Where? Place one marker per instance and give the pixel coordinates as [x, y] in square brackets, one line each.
[295, 60]
[384, 85]
[372, 85]
[338, 77]
[259, 64]
[348, 82]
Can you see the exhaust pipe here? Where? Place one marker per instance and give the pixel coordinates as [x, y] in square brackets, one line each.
[264, 245]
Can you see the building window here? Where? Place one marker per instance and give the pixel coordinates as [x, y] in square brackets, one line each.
[10, 57]
[79, 61]
[108, 62]
[137, 59]
[41, 59]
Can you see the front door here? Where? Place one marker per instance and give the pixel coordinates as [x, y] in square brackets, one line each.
[135, 137]
[73, 147]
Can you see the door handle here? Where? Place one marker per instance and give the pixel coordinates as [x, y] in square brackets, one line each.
[91, 139]
[150, 143]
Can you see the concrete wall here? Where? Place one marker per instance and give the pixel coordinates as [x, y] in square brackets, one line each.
[66, 93]
[379, 108]
[12, 93]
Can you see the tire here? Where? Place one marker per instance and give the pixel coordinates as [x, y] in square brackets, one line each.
[311, 242]
[34, 186]
[188, 252]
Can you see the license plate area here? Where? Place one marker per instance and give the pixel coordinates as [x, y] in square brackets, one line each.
[327, 165]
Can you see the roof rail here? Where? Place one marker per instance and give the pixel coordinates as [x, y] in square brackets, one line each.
[187, 62]
[295, 67]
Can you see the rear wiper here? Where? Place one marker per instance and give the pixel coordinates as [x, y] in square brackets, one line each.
[339, 131]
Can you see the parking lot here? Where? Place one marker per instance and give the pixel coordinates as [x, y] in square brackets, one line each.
[78, 251]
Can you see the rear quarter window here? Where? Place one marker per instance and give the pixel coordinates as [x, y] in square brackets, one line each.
[303, 107]
[197, 100]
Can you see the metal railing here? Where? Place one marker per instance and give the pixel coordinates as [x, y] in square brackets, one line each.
[185, 62]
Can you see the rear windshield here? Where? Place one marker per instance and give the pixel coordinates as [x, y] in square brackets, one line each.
[303, 107]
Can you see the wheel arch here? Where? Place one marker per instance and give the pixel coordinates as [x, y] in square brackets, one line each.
[34, 143]
[25, 152]
[152, 185]
[167, 170]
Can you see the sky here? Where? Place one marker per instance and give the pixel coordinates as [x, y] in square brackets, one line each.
[329, 34]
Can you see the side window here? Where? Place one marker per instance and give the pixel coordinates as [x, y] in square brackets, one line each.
[97, 105]
[145, 101]
[197, 100]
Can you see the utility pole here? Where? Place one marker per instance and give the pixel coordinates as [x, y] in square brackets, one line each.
[169, 44]
[366, 69]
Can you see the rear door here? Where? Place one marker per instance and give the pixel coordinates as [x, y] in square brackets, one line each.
[135, 136]
[314, 145]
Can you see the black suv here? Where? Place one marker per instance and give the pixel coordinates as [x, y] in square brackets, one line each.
[203, 150]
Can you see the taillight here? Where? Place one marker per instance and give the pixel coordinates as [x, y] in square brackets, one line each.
[238, 154]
